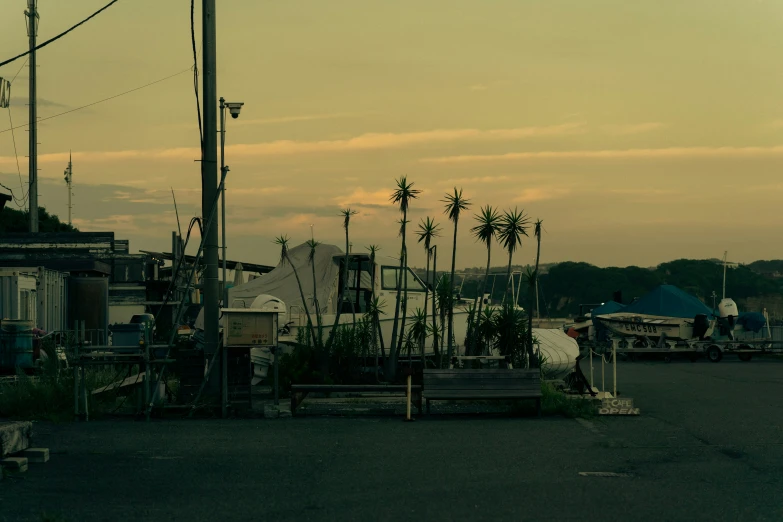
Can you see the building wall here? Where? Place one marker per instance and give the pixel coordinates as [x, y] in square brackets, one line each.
[122, 313]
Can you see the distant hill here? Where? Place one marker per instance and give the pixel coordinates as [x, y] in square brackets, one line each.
[564, 286]
[18, 221]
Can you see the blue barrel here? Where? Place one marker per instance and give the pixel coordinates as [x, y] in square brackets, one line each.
[16, 344]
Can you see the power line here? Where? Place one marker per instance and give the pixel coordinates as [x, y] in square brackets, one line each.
[101, 101]
[50, 40]
[195, 72]
[16, 154]
[18, 170]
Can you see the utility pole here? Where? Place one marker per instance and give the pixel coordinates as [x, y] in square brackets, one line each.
[32, 31]
[209, 182]
[68, 181]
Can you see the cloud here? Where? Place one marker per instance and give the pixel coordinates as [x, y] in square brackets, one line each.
[363, 142]
[542, 193]
[474, 180]
[362, 198]
[632, 128]
[303, 117]
[663, 153]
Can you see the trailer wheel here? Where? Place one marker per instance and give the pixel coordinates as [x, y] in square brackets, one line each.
[744, 356]
[714, 354]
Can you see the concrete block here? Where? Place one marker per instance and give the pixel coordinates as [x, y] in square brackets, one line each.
[14, 437]
[285, 413]
[17, 464]
[271, 412]
[37, 455]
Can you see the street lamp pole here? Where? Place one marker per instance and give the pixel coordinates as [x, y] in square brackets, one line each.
[223, 193]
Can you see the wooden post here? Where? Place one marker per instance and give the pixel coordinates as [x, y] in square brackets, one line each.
[147, 376]
[614, 368]
[76, 383]
[408, 401]
[84, 396]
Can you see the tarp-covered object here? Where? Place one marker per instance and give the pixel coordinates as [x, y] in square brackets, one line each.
[752, 321]
[668, 301]
[281, 282]
[608, 307]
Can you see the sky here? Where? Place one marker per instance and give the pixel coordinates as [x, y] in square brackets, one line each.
[639, 132]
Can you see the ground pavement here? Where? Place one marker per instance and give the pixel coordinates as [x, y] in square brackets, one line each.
[708, 446]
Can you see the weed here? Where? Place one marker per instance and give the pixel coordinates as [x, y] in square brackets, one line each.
[49, 395]
[555, 402]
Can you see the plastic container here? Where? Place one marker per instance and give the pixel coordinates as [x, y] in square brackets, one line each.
[16, 344]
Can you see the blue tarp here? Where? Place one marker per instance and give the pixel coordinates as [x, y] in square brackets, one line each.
[752, 321]
[609, 307]
[669, 301]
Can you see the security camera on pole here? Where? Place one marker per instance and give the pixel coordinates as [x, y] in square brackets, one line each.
[68, 181]
[234, 108]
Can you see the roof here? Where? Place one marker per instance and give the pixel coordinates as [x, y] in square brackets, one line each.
[230, 265]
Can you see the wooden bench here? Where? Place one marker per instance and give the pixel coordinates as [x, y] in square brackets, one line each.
[456, 384]
[300, 391]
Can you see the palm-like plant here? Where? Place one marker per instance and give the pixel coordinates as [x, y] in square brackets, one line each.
[533, 279]
[513, 225]
[374, 309]
[428, 230]
[455, 204]
[346, 215]
[404, 312]
[313, 244]
[282, 241]
[485, 231]
[402, 197]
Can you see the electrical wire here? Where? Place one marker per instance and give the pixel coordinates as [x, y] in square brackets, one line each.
[50, 40]
[195, 72]
[101, 101]
[20, 202]
[24, 197]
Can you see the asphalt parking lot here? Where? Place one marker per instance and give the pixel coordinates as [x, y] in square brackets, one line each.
[708, 445]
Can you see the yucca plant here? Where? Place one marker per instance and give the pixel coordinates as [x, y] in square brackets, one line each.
[418, 330]
[510, 327]
[428, 230]
[282, 241]
[513, 226]
[313, 244]
[485, 231]
[346, 215]
[533, 278]
[454, 205]
[402, 196]
[444, 297]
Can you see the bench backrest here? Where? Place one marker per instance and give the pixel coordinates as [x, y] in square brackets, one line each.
[480, 383]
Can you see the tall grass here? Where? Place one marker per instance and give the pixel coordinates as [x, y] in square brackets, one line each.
[49, 394]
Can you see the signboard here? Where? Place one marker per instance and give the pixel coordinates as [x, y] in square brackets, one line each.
[618, 406]
[250, 328]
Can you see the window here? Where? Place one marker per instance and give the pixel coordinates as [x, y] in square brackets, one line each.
[389, 280]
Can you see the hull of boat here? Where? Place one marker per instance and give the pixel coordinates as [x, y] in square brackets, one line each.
[674, 328]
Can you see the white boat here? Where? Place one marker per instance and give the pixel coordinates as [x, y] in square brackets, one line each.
[666, 312]
[654, 326]
[560, 350]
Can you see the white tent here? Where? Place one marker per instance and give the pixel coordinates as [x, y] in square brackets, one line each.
[281, 281]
